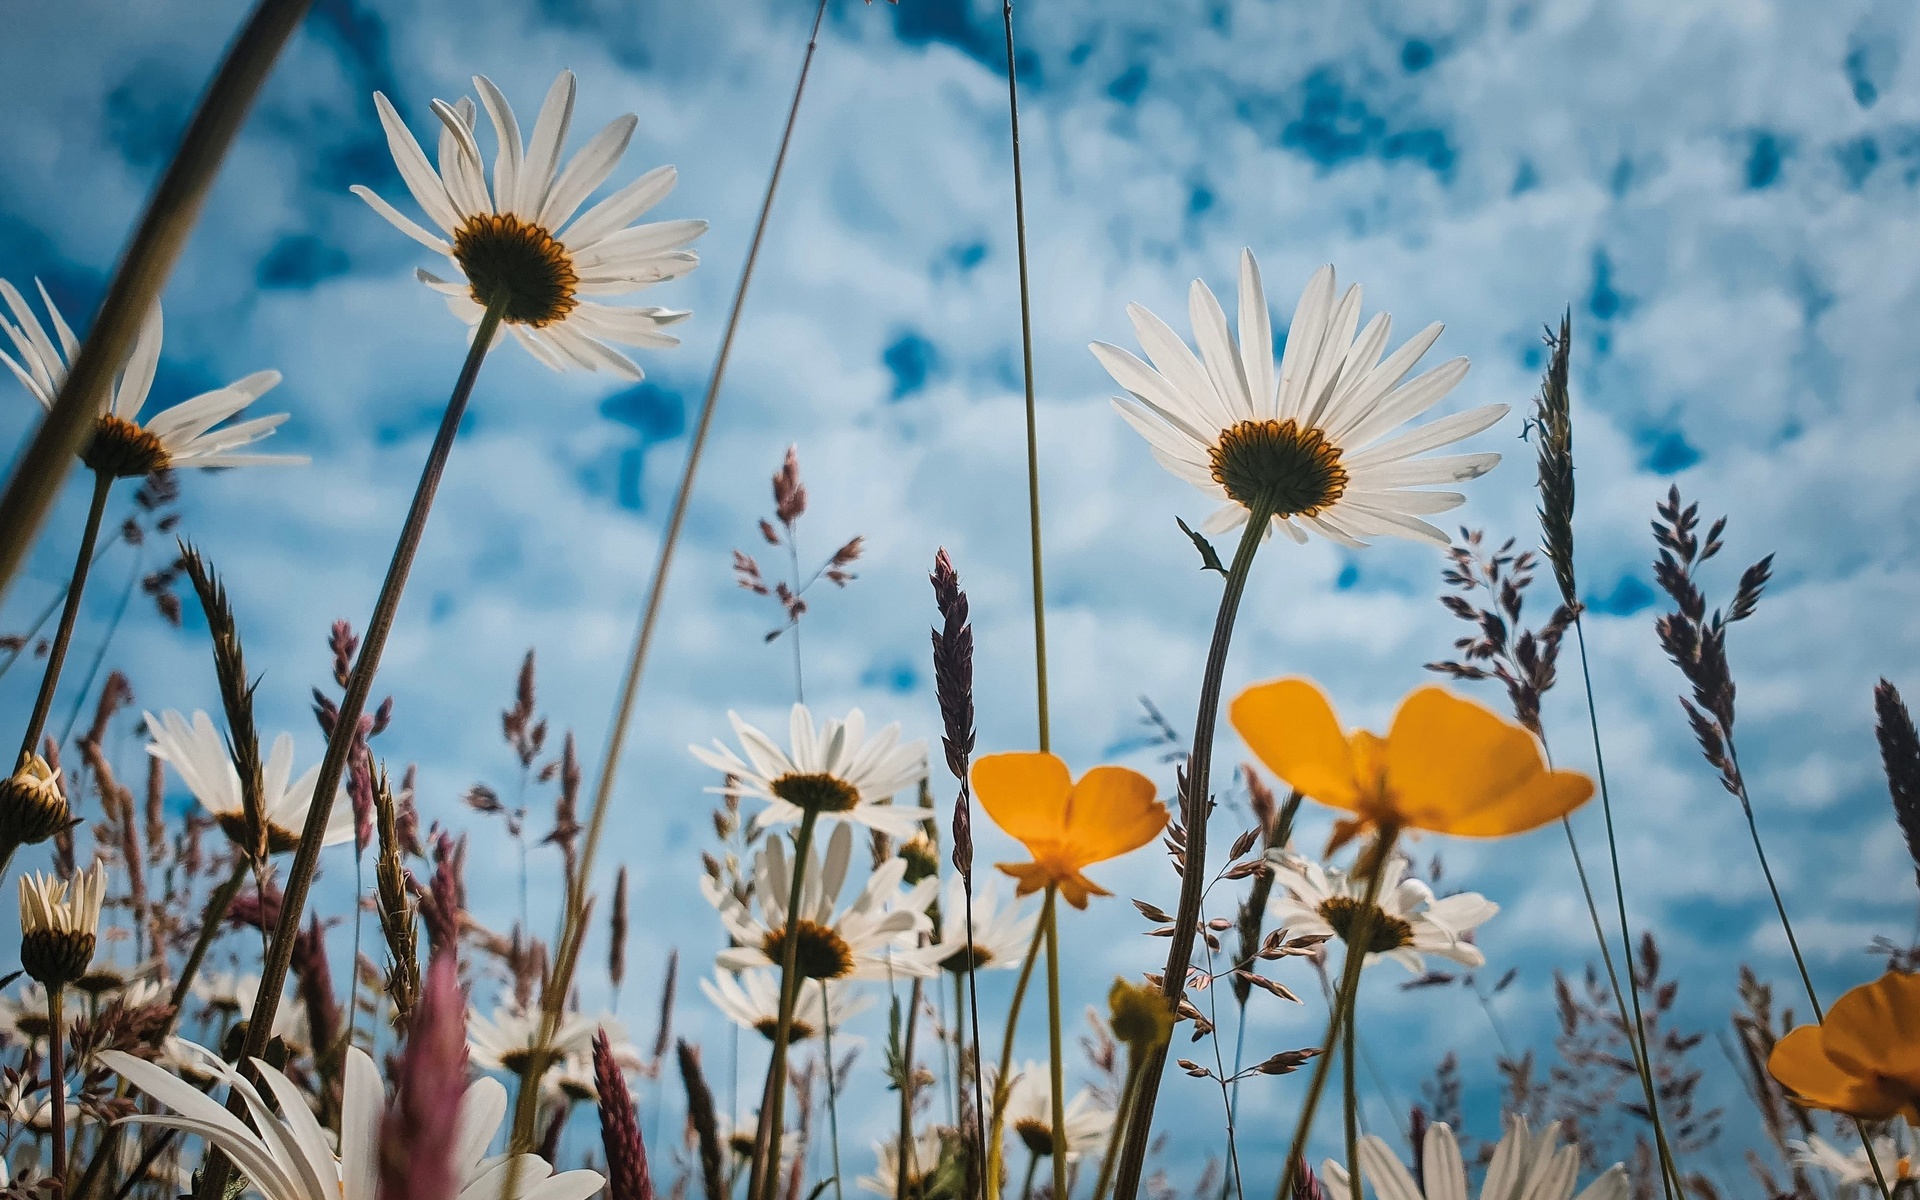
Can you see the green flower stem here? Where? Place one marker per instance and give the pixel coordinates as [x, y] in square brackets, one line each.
[69, 614]
[1352, 1107]
[1629, 998]
[904, 1159]
[57, 1078]
[170, 215]
[1055, 1042]
[1033, 1165]
[1002, 1083]
[306, 858]
[1343, 1001]
[833, 1086]
[1129, 1088]
[559, 982]
[1193, 807]
[46, 613]
[765, 1178]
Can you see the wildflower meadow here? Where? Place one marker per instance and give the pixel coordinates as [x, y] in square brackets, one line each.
[1340, 651]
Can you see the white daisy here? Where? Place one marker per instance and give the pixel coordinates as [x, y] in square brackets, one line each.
[925, 1157]
[1304, 444]
[834, 771]
[28, 1106]
[1525, 1167]
[751, 1000]
[1851, 1169]
[867, 941]
[181, 436]
[1029, 1114]
[513, 243]
[1000, 935]
[59, 924]
[295, 1162]
[1408, 920]
[572, 1080]
[23, 1017]
[199, 755]
[506, 1042]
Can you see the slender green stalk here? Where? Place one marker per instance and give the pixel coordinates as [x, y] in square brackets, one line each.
[69, 614]
[1352, 1107]
[1033, 1165]
[57, 1078]
[904, 1159]
[170, 216]
[833, 1086]
[1055, 1043]
[766, 1164]
[306, 858]
[1193, 805]
[1003, 1082]
[1026, 370]
[1129, 1088]
[1636, 1027]
[573, 931]
[1359, 935]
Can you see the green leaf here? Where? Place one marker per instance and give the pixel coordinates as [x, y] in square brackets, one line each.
[821, 1187]
[1209, 559]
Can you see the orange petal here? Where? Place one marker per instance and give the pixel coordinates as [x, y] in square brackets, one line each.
[1876, 1028]
[1112, 811]
[1801, 1063]
[1289, 726]
[1075, 889]
[1025, 793]
[1032, 876]
[1455, 767]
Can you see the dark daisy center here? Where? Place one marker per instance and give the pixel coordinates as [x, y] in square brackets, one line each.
[1384, 932]
[960, 962]
[1293, 470]
[279, 841]
[100, 982]
[797, 1031]
[820, 954]
[519, 265]
[123, 450]
[56, 957]
[1038, 1135]
[32, 809]
[816, 793]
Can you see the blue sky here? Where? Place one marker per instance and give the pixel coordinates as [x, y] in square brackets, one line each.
[1722, 193]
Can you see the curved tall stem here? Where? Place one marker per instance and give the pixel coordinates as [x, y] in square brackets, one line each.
[69, 614]
[1001, 1083]
[1055, 1041]
[306, 858]
[1194, 806]
[573, 930]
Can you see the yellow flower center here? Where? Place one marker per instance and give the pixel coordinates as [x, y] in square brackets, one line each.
[821, 953]
[1384, 932]
[518, 264]
[124, 450]
[959, 962]
[816, 793]
[1294, 470]
[797, 1031]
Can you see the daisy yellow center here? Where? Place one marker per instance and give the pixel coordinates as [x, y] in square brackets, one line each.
[816, 793]
[123, 450]
[519, 265]
[1384, 932]
[960, 962]
[821, 953]
[1292, 469]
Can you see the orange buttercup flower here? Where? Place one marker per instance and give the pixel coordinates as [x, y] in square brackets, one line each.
[1066, 826]
[1865, 1059]
[1447, 765]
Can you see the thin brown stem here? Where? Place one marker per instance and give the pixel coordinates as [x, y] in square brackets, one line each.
[170, 216]
[573, 931]
[57, 1079]
[1195, 804]
[69, 615]
[905, 1158]
[306, 858]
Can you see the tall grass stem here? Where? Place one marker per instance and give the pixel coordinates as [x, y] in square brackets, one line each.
[766, 1164]
[1002, 1082]
[170, 215]
[573, 930]
[1055, 1043]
